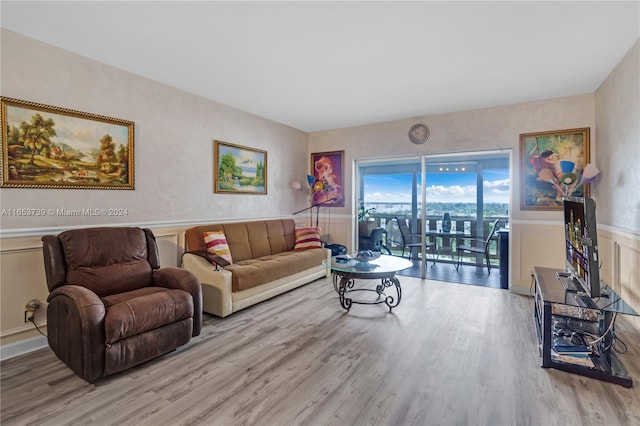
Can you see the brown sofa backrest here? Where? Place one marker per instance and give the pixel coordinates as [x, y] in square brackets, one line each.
[104, 260]
[247, 240]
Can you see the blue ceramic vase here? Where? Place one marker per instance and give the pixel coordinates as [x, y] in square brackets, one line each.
[446, 222]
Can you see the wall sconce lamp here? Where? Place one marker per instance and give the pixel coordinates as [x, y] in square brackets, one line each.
[295, 185]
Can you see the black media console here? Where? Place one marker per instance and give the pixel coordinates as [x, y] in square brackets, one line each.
[575, 332]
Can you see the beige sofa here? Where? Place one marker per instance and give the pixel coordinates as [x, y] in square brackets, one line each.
[265, 264]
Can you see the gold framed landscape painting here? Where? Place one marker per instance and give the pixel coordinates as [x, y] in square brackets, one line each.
[552, 165]
[45, 146]
[239, 169]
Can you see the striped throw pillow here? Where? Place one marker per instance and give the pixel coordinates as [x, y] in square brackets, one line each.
[216, 243]
[307, 238]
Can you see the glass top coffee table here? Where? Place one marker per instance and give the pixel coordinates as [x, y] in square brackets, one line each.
[346, 269]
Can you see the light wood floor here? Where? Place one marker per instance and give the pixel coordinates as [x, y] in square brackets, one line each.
[448, 355]
[465, 274]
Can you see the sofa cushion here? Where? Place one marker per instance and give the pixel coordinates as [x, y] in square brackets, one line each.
[254, 272]
[281, 235]
[238, 239]
[114, 299]
[267, 237]
[216, 243]
[307, 238]
[146, 312]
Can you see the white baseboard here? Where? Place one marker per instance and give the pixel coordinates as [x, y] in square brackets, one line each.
[22, 347]
[524, 291]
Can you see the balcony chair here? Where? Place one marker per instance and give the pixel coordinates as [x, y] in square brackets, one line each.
[477, 245]
[375, 241]
[412, 241]
[111, 306]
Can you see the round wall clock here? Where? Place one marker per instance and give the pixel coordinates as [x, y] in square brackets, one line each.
[419, 133]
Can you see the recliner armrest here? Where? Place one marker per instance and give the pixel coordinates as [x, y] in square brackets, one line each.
[81, 297]
[177, 278]
[75, 329]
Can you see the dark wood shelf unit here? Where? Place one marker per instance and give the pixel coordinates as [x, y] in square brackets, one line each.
[552, 303]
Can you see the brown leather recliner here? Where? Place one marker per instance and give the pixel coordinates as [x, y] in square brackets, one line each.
[111, 307]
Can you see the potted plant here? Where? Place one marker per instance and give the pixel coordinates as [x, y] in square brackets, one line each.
[366, 221]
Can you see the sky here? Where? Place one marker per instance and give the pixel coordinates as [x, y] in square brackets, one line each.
[441, 187]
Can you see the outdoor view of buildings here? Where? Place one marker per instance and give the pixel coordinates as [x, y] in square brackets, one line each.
[454, 193]
[386, 196]
[456, 209]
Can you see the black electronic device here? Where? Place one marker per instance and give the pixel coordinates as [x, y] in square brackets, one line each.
[567, 281]
[581, 244]
[336, 249]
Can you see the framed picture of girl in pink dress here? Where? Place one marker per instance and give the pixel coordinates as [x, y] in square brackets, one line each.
[327, 169]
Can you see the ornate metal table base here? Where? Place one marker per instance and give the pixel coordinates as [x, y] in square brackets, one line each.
[343, 284]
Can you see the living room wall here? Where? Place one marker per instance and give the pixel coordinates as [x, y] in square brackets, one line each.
[617, 192]
[618, 129]
[536, 236]
[174, 165]
[174, 133]
[612, 113]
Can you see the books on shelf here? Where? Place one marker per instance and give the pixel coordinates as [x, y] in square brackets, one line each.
[583, 359]
[565, 344]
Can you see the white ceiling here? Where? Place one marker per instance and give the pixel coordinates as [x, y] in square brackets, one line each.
[326, 65]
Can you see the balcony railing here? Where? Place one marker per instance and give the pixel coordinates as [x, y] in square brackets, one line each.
[469, 225]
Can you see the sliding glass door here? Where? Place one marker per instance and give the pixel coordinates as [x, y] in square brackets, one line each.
[472, 189]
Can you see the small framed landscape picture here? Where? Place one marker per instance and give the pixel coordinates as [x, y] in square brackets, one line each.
[45, 146]
[239, 169]
[552, 165]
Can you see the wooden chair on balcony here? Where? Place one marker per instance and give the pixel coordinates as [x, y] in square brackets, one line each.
[413, 241]
[477, 245]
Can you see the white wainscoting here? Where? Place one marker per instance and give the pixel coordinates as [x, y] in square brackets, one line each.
[542, 244]
[23, 278]
[532, 244]
[620, 260]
